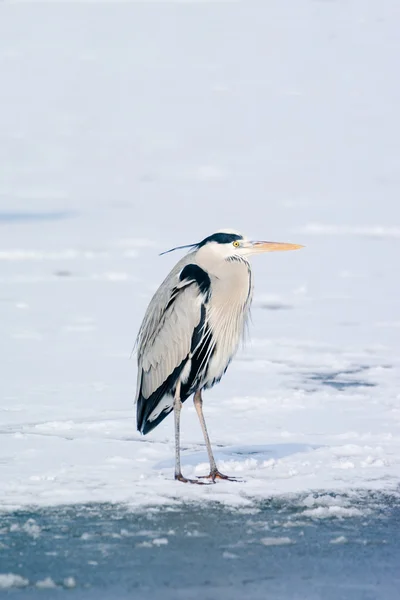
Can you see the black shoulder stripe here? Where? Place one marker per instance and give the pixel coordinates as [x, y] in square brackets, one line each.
[189, 275]
[197, 274]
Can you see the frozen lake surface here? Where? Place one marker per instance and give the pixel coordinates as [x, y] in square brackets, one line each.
[130, 128]
[286, 550]
[23, 217]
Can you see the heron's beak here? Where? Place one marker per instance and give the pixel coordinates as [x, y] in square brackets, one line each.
[274, 246]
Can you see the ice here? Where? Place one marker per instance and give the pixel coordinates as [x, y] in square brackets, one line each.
[148, 126]
[235, 545]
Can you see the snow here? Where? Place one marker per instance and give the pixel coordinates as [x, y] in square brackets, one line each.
[126, 130]
[69, 582]
[372, 231]
[30, 527]
[46, 584]
[10, 580]
[276, 541]
[341, 539]
[160, 541]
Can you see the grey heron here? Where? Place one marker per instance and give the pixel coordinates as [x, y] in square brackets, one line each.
[191, 331]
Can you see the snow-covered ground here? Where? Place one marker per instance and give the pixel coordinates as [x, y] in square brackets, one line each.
[126, 129]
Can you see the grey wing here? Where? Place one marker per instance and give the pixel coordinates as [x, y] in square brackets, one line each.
[164, 346]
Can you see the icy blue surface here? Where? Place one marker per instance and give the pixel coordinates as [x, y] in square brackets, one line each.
[206, 553]
[21, 217]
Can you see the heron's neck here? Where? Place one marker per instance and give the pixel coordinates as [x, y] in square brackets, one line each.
[217, 265]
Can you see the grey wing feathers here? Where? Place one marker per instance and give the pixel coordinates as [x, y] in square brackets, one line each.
[153, 317]
[163, 344]
[170, 345]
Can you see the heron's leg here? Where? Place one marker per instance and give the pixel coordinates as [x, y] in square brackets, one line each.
[177, 414]
[214, 473]
[198, 404]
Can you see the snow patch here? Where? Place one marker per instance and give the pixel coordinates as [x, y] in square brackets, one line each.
[46, 584]
[160, 541]
[69, 583]
[341, 539]
[311, 404]
[30, 527]
[329, 512]
[276, 541]
[10, 580]
[229, 555]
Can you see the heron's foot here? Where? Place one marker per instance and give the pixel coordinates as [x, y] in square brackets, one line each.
[180, 477]
[213, 475]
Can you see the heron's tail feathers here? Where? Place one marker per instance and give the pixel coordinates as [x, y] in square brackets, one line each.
[149, 415]
[152, 410]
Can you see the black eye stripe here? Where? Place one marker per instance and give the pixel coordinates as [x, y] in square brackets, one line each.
[221, 238]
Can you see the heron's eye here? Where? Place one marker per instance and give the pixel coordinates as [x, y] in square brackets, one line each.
[236, 244]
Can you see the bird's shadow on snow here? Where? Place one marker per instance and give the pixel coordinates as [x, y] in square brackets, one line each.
[260, 453]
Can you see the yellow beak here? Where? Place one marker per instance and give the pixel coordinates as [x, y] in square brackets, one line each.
[274, 246]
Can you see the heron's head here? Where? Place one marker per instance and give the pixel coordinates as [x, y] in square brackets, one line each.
[228, 244]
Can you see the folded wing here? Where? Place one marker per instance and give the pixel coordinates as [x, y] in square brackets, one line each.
[165, 344]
